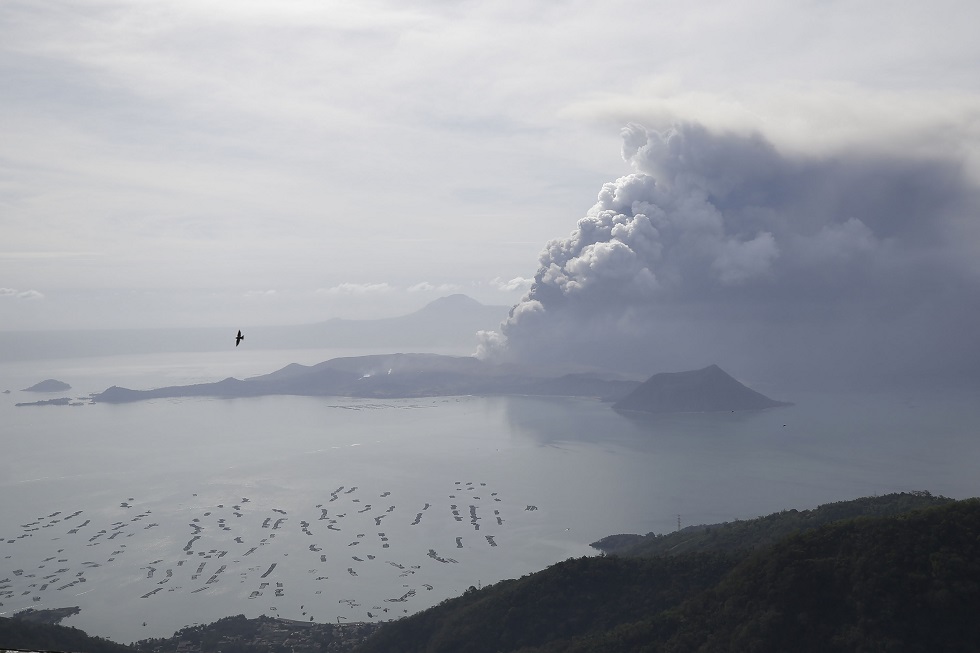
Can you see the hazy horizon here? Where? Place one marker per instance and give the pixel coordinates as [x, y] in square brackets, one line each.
[790, 191]
[652, 186]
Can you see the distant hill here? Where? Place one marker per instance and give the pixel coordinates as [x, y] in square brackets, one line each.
[48, 385]
[60, 401]
[451, 321]
[444, 323]
[390, 376]
[705, 390]
[431, 375]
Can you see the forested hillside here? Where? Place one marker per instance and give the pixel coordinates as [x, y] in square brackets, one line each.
[764, 531]
[907, 582]
[35, 636]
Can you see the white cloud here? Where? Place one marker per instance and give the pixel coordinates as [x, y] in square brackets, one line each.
[358, 289]
[511, 285]
[425, 286]
[21, 294]
[810, 116]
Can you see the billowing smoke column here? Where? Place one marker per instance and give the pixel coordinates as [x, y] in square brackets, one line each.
[718, 248]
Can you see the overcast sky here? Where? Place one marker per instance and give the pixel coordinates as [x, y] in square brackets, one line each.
[260, 162]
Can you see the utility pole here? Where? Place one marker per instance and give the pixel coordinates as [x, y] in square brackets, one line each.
[678, 521]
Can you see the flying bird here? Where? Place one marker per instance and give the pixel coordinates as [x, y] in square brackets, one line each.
[239, 338]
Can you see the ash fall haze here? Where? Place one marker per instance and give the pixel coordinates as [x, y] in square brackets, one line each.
[798, 193]
[550, 206]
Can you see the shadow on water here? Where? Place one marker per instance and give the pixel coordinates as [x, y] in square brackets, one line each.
[550, 421]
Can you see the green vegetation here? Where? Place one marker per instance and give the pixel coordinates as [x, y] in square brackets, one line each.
[843, 581]
[47, 615]
[765, 531]
[261, 635]
[30, 635]
[568, 599]
[236, 633]
[905, 583]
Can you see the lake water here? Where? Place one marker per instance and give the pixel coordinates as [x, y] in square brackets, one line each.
[173, 512]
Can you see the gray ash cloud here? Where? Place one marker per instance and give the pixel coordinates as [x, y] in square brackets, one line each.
[719, 248]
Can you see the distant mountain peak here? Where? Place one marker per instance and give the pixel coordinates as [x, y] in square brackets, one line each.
[49, 385]
[456, 301]
[708, 389]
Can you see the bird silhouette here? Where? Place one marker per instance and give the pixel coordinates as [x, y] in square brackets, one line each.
[239, 338]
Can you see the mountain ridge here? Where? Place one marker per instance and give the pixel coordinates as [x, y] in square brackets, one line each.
[450, 321]
[709, 389]
[413, 375]
[399, 375]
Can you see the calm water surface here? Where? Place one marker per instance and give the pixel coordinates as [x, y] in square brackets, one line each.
[172, 512]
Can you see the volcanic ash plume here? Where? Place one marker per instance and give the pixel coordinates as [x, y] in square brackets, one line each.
[718, 248]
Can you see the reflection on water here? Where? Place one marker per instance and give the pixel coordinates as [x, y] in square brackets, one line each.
[181, 511]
